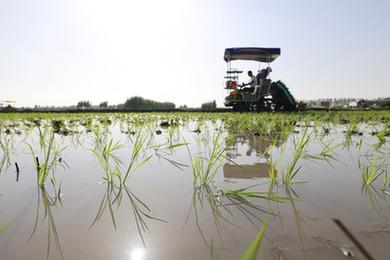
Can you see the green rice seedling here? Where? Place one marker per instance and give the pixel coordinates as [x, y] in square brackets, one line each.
[381, 136]
[139, 148]
[50, 156]
[293, 168]
[372, 173]
[351, 130]
[105, 154]
[205, 169]
[274, 168]
[251, 252]
[326, 154]
[244, 195]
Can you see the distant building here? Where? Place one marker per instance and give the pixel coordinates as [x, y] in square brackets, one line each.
[353, 103]
[324, 103]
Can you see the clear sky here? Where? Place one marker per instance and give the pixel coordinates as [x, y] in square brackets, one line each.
[56, 52]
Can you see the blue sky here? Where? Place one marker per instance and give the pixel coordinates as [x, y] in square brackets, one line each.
[60, 52]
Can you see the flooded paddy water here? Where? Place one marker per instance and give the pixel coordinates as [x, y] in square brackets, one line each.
[193, 185]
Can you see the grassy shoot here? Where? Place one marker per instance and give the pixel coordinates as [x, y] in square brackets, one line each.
[274, 168]
[243, 195]
[372, 173]
[50, 157]
[139, 147]
[292, 167]
[205, 169]
[251, 252]
[104, 155]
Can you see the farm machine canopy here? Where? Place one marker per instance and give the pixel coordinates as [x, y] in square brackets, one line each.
[254, 54]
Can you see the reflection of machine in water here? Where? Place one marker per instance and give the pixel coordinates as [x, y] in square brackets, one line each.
[246, 171]
[250, 153]
[255, 143]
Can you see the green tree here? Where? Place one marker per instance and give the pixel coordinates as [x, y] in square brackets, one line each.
[84, 104]
[103, 104]
[139, 103]
[211, 105]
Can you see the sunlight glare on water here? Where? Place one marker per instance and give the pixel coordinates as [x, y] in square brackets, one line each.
[136, 254]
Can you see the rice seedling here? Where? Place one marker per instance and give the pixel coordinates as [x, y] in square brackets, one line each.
[381, 136]
[292, 167]
[208, 148]
[326, 154]
[138, 151]
[51, 154]
[372, 172]
[252, 251]
[204, 169]
[274, 168]
[105, 153]
[349, 132]
[243, 195]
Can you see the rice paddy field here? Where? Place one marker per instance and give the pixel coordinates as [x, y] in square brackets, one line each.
[310, 185]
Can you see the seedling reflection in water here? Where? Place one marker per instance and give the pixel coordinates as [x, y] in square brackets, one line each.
[112, 200]
[48, 201]
[5, 146]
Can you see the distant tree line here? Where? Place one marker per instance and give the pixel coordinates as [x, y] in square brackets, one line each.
[140, 103]
[84, 104]
[211, 105]
[103, 104]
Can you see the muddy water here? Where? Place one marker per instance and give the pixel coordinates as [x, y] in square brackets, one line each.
[159, 214]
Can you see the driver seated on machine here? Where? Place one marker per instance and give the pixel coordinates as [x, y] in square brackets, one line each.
[252, 83]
